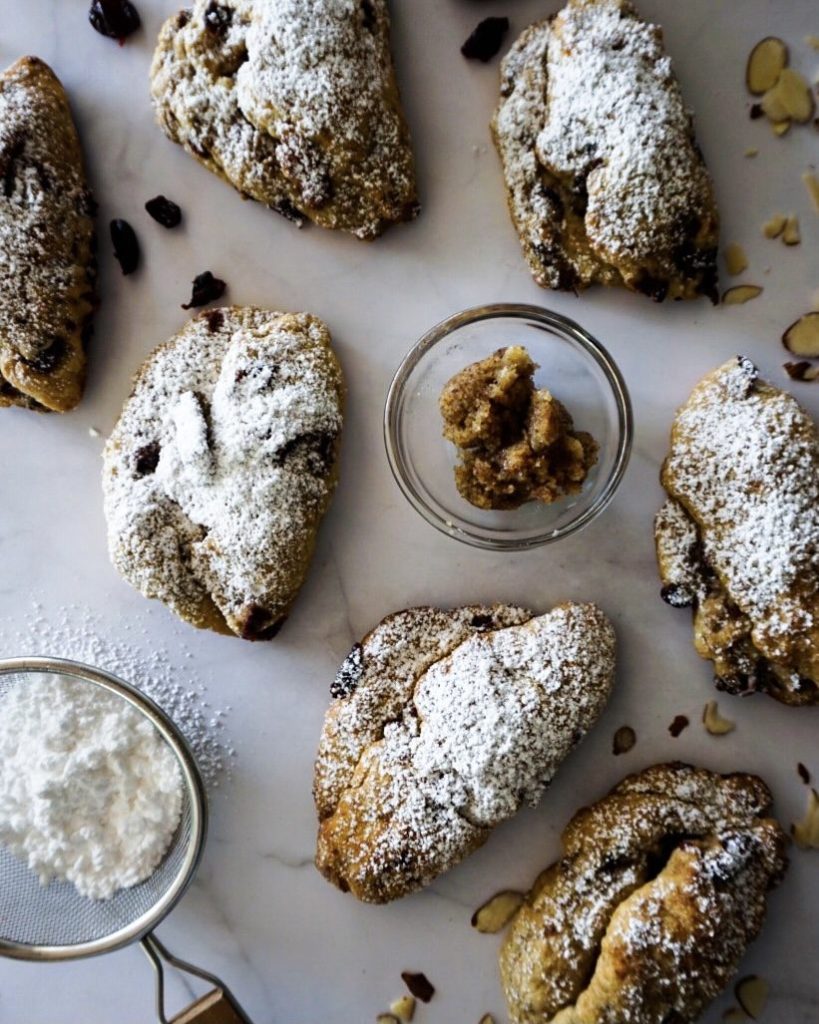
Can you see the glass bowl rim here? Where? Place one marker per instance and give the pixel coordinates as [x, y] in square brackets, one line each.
[564, 327]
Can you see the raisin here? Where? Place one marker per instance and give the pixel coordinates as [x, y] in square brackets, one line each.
[486, 39]
[126, 246]
[146, 459]
[368, 15]
[804, 774]
[164, 211]
[206, 288]
[680, 722]
[218, 18]
[756, 111]
[348, 676]
[419, 985]
[116, 19]
[654, 287]
[48, 359]
[257, 624]
[481, 622]
[676, 596]
[215, 319]
[8, 166]
[318, 447]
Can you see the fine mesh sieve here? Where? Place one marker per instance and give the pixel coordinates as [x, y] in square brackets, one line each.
[54, 922]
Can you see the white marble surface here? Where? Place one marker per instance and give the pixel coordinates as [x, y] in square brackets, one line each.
[293, 948]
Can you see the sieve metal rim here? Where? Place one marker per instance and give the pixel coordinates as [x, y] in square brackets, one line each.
[192, 778]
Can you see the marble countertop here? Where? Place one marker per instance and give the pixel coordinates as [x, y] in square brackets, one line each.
[293, 948]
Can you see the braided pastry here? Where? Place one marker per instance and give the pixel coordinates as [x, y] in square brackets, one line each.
[444, 723]
[645, 917]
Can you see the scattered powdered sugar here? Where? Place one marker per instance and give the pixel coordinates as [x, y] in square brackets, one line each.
[78, 635]
[743, 463]
[89, 790]
[241, 415]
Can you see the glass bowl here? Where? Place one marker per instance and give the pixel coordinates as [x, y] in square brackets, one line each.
[575, 368]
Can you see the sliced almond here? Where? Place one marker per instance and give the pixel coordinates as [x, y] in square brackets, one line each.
[733, 1015]
[791, 234]
[735, 259]
[812, 41]
[487, 1019]
[802, 337]
[403, 1008]
[497, 912]
[781, 128]
[714, 722]
[387, 1018]
[752, 994]
[624, 740]
[811, 182]
[751, 152]
[789, 99]
[806, 832]
[765, 64]
[802, 370]
[774, 227]
[741, 293]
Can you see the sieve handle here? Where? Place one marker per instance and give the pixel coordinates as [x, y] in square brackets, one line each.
[216, 1007]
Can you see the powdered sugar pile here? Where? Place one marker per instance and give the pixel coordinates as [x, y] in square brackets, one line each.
[89, 790]
[241, 413]
[78, 635]
[745, 462]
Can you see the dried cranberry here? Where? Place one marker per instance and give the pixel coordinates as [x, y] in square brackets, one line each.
[146, 459]
[164, 211]
[419, 985]
[116, 19]
[756, 111]
[206, 288]
[126, 246]
[680, 722]
[486, 40]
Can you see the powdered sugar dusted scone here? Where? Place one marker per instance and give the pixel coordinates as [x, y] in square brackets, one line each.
[661, 886]
[222, 464]
[295, 103]
[443, 724]
[738, 539]
[47, 265]
[605, 181]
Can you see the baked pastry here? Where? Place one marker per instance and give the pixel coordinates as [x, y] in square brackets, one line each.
[295, 103]
[605, 181]
[516, 443]
[660, 888]
[443, 724]
[47, 265]
[738, 539]
[222, 465]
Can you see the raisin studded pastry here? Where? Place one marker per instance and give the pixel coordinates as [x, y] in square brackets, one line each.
[605, 181]
[738, 538]
[443, 724]
[47, 264]
[295, 103]
[661, 886]
[222, 465]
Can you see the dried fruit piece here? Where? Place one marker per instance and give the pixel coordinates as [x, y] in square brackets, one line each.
[735, 259]
[164, 211]
[116, 19]
[497, 912]
[789, 99]
[714, 722]
[765, 64]
[802, 370]
[803, 773]
[790, 233]
[774, 227]
[802, 337]
[806, 832]
[419, 985]
[126, 246]
[811, 181]
[403, 1008]
[741, 293]
[752, 994]
[486, 39]
[206, 288]
[678, 725]
[624, 740]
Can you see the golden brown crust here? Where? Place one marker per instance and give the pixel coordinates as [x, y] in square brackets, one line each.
[47, 265]
[661, 886]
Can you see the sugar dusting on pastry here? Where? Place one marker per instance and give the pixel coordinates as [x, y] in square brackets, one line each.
[660, 888]
[605, 179]
[475, 732]
[241, 413]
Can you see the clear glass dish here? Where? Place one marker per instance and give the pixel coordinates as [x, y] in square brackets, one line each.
[575, 368]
